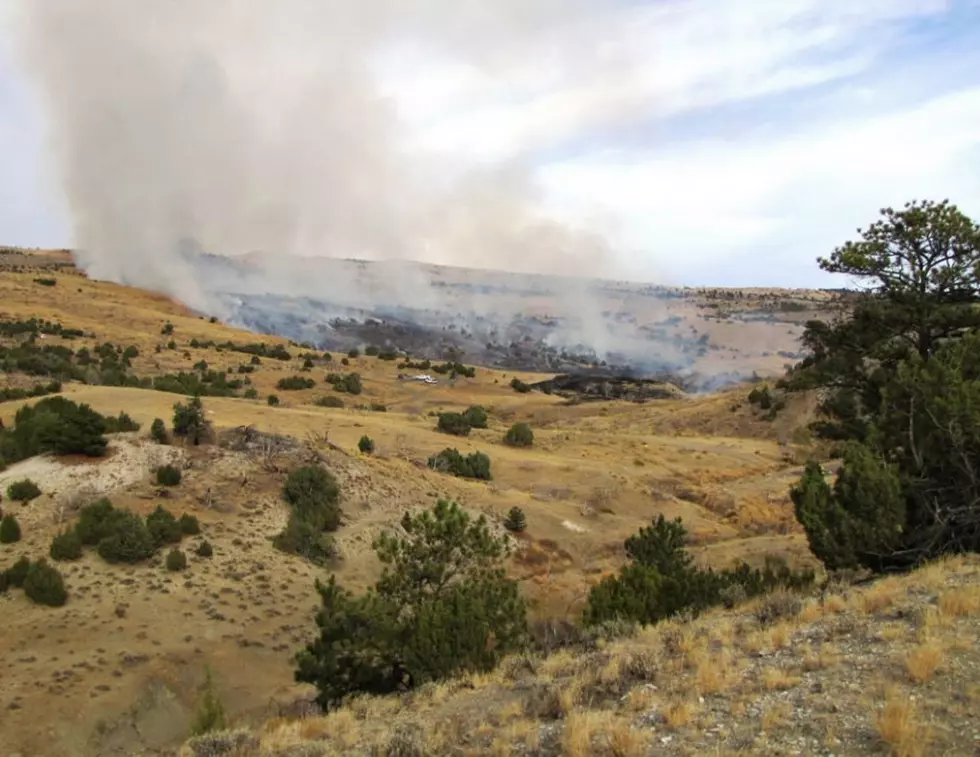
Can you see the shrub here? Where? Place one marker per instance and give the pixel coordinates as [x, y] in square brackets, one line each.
[351, 383]
[168, 328]
[44, 585]
[66, 546]
[95, 521]
[251, 393]
[168, 475]
[366, 445]
[204, 549]
[272, 400]
[189, 525]
[16, 574]
[211, 715]
[121, 424]
[163, 527]
[661, 580]
[295, 383]
[329, 401]
[442, 606]
[56, 425]
[519, 435]
[519, 386]
[475, 465]
[9, 530]
[453, 423]
[476, 417]
[23, 491]
[312, 494]
[515, 521]
[354, 353]
[158, 431]
[189, 420]
[176, 560]
[46, 282]
[377, 407]
[303, 538]
[128, 540]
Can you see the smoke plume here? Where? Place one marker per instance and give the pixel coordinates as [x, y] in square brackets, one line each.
[237, 127]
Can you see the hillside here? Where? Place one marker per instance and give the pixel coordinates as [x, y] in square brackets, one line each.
[890, 669]
[117, 669]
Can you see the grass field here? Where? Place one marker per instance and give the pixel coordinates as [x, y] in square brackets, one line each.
[116, 670]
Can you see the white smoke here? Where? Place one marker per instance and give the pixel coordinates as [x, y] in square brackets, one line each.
[263, 126]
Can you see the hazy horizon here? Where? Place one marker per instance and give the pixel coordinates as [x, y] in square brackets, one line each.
[675, 142]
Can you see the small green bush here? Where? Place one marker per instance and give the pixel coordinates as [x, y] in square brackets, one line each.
[366, 445]
[204, 549]
[329, 401]
[176, 560]
[158, 431]
[519, 435]
[95, 521]
[44, 585]
[163, 527]
[9, 530]
[295, 383]
[515, 521]
[519, 386]
[272, 400]
[121, 424]
[16, 574]
[189, 525]
[23, 491]
[66, 546]
[475, 465]
[476, 417]
[168, 475]
[453, 423]
[251, 393]
[128, 540]
[189, 420]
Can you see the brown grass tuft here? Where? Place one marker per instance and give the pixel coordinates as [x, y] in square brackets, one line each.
[899, 728]
[959, 602]
[923, 661]
[777, 679]
[679, 715]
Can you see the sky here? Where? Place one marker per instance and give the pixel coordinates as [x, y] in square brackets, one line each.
[709, 142]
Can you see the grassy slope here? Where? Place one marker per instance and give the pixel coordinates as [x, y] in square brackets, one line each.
[890, 669]
[597, 472]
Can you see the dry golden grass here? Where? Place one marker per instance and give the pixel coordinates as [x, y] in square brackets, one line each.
[879, 598]
[956, 603]
[835, 604]
[713, 673]
[626, 741]
[923, 661]
[775, 716]
[680, 714]
[898, 726]
[578, 733]
[778, 679]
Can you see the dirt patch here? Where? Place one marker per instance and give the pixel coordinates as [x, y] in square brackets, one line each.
[129, 461]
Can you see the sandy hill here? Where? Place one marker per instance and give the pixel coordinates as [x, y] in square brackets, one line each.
[116, 671]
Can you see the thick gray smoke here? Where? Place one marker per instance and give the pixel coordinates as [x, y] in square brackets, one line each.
[262, 125]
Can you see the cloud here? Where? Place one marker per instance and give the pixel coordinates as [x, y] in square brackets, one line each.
[692, 141]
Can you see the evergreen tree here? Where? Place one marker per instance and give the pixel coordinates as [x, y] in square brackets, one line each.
[515, 521]
[66, 546]
[189, 420]
[442, 606]
[44, 585]
[9, 530]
